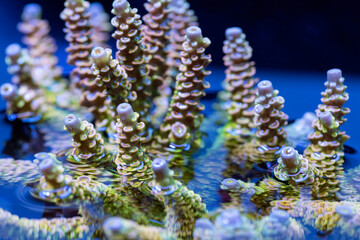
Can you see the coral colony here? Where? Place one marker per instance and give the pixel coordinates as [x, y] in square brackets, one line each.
[135, 118]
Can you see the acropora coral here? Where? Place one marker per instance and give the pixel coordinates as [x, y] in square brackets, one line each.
[133, 57]
[41, 46]
[270, 122]
[185, 107]
[125, 156]
[133, 163]
[239, 84]
[326, 150]
[295, 169]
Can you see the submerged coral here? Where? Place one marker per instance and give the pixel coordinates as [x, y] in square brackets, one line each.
[239, 83]
[185, 107]
[138, 166]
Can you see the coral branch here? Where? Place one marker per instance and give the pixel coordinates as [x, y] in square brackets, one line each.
[23, 102]
[325, 151]
[183, 206]
[240, 84]
[133, 164]
[110, 75]
[185, 107]
[53, 184]
[14, 227]
[78, 34]
[36, 30]
[296, 169]
[270, 121]
[280, 225]
[326, 148]
[240, 193]
[41, 45]
[20, 65]
[88, 145]
[181, 17]
[131, 56]
[334, 97]
[156, 39]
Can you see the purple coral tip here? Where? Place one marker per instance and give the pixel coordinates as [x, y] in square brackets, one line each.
[230, 183]
[160, 168]
[120, 5]
[100, 56]
[72, 123]
[194, 33]
[346, 212]
[42, 155]
[289, 154]
[31, 11]
[113, 225]
[178, 129]
[13, 50]
[326, 117]
[46, 165]
[125, 112]
[280, 215]
[333, 75]
[8, 91]
[265, 87]
[204, 223]
[233, 32]
[229, 217]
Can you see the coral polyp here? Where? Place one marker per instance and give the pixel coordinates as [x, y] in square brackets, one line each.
[122, 147]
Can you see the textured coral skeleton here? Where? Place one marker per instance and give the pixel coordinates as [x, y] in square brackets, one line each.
[126, 169]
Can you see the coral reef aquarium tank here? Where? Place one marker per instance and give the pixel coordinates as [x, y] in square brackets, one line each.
[144, 120]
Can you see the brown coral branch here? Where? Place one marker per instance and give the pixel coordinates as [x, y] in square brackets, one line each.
[325, 152]
[131, 55]
[239, 83]
[270, 121]
[181, 17]
[326, 148]
[111, 75]
[40, 44]
[156, 39]
[88, 145]
[334, 97]
[78, 34]
[185, 107]
[133, 164]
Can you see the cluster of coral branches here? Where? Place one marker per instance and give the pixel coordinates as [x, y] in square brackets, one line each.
[121, 171]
